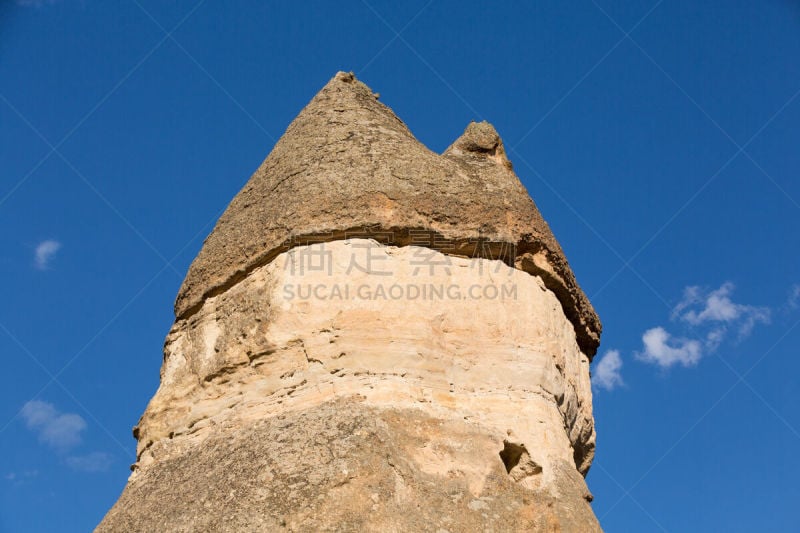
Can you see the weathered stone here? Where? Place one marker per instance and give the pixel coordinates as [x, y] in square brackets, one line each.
[347, 166]
[492, 346]
[424, 366]
[345, 466]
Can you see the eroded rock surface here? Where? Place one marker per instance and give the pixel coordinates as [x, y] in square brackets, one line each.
[345, 466]
[374, 338]
[469, 339]
[348, 167]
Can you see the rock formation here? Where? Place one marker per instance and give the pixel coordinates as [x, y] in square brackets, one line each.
[374, 337]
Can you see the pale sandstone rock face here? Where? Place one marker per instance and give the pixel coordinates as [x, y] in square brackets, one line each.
[491, 346]
[373, 338]
[471, 344]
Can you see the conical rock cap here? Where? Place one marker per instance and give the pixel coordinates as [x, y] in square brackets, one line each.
[347, 166]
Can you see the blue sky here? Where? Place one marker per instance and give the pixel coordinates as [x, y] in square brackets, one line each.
[659, 140]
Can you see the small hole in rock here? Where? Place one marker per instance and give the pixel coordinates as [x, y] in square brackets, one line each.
[511, 454]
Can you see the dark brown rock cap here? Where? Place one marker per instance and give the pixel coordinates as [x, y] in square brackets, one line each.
[348, 167]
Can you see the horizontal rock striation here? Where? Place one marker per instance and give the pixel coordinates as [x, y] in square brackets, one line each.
[373, 338]
[472, 347]
[468, 338]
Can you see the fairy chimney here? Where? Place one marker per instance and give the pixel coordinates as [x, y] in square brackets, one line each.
[375, 337]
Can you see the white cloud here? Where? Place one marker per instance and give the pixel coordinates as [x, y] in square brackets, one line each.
[662, 349]
[61, 431]
[714, 338]
[91, 462]
[607, 371]
[698, 308]
[691, 296]
[45, 251]
[706, 318]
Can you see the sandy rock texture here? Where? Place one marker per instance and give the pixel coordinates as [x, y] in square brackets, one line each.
[471, 344]
[374, 337]
[345, 466]
[348, 167]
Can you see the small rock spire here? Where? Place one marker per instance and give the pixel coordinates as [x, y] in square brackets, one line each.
[480, 140]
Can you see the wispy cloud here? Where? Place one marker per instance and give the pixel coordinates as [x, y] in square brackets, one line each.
[607, 371]
[91, 462]
[44, 254]
[707, 317]
[700, 307]
[61, 431]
